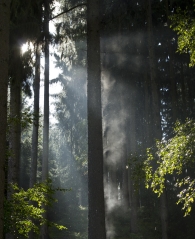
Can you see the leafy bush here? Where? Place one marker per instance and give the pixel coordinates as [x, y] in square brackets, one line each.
[25, 210]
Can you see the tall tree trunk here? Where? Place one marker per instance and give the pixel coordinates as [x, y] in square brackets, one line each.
[46, 106]
[36, 87]
[96, 226]
[15, 115]
[46, 95]
[15, 126]
[147, 112]
[156, 111]
[35, 135]
[133, 192]
[190, 101]
[164, 215]
[4, 59]
[183, 93]
[174, 98]
[154, 86]
[191, 91]
[125, 174]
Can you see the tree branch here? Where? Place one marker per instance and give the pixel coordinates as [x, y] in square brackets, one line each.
[66, 11]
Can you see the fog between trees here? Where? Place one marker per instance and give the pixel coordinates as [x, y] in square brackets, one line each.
[123, 86]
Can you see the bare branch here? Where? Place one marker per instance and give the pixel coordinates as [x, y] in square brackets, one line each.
[66, 11]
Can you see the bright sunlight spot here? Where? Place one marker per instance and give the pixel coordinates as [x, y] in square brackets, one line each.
[26, 46]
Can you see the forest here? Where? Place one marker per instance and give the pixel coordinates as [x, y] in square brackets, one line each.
[97, 130]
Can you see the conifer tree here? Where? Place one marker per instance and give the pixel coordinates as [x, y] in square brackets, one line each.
[4, 59]
[96, 228]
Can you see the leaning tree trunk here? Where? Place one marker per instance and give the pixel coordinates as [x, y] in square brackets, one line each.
[46, 107]
[96, 226]
[4, 56]
[156, 112]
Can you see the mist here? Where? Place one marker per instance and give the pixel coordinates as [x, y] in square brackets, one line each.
[146, 87]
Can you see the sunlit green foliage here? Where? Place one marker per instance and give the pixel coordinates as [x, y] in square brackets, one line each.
[174, 157]
[24, 212]
[183, 22]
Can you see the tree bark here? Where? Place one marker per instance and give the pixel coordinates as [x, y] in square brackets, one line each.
[96, 226]
[154, 86]
[15, 123]
[36, 86]
[35, 135]
[15, 116]
[133, 192]
[164, 215]
[174, 97]
[157, 132]
[4, 58]
[183, 93]
[147, 110]
[46, 95]
[44, 234]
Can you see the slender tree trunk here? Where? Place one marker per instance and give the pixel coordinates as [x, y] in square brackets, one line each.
[148, 113]
[174, 97]
[174, 101]
[164, 215]
[156, 112]
[96, 226]
[34, 153]
[124, 186]
[36, 86]
[4, 59]
[183, 93]
[190, 101]
[191, 91]
[154, 86]
[15, 115]
[46, 106]
[15, 126]
[133, 192]
[46, 95]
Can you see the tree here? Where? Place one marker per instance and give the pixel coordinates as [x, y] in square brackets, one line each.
[183, 22]
[4, 59]
[45, 159]
[175, 158]
[20, 70]
[16, 68]
[36, 88]
[157, 132]
[36, 85]
[96, 228]
[46, 92]
[171, 70]
[35, 134]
